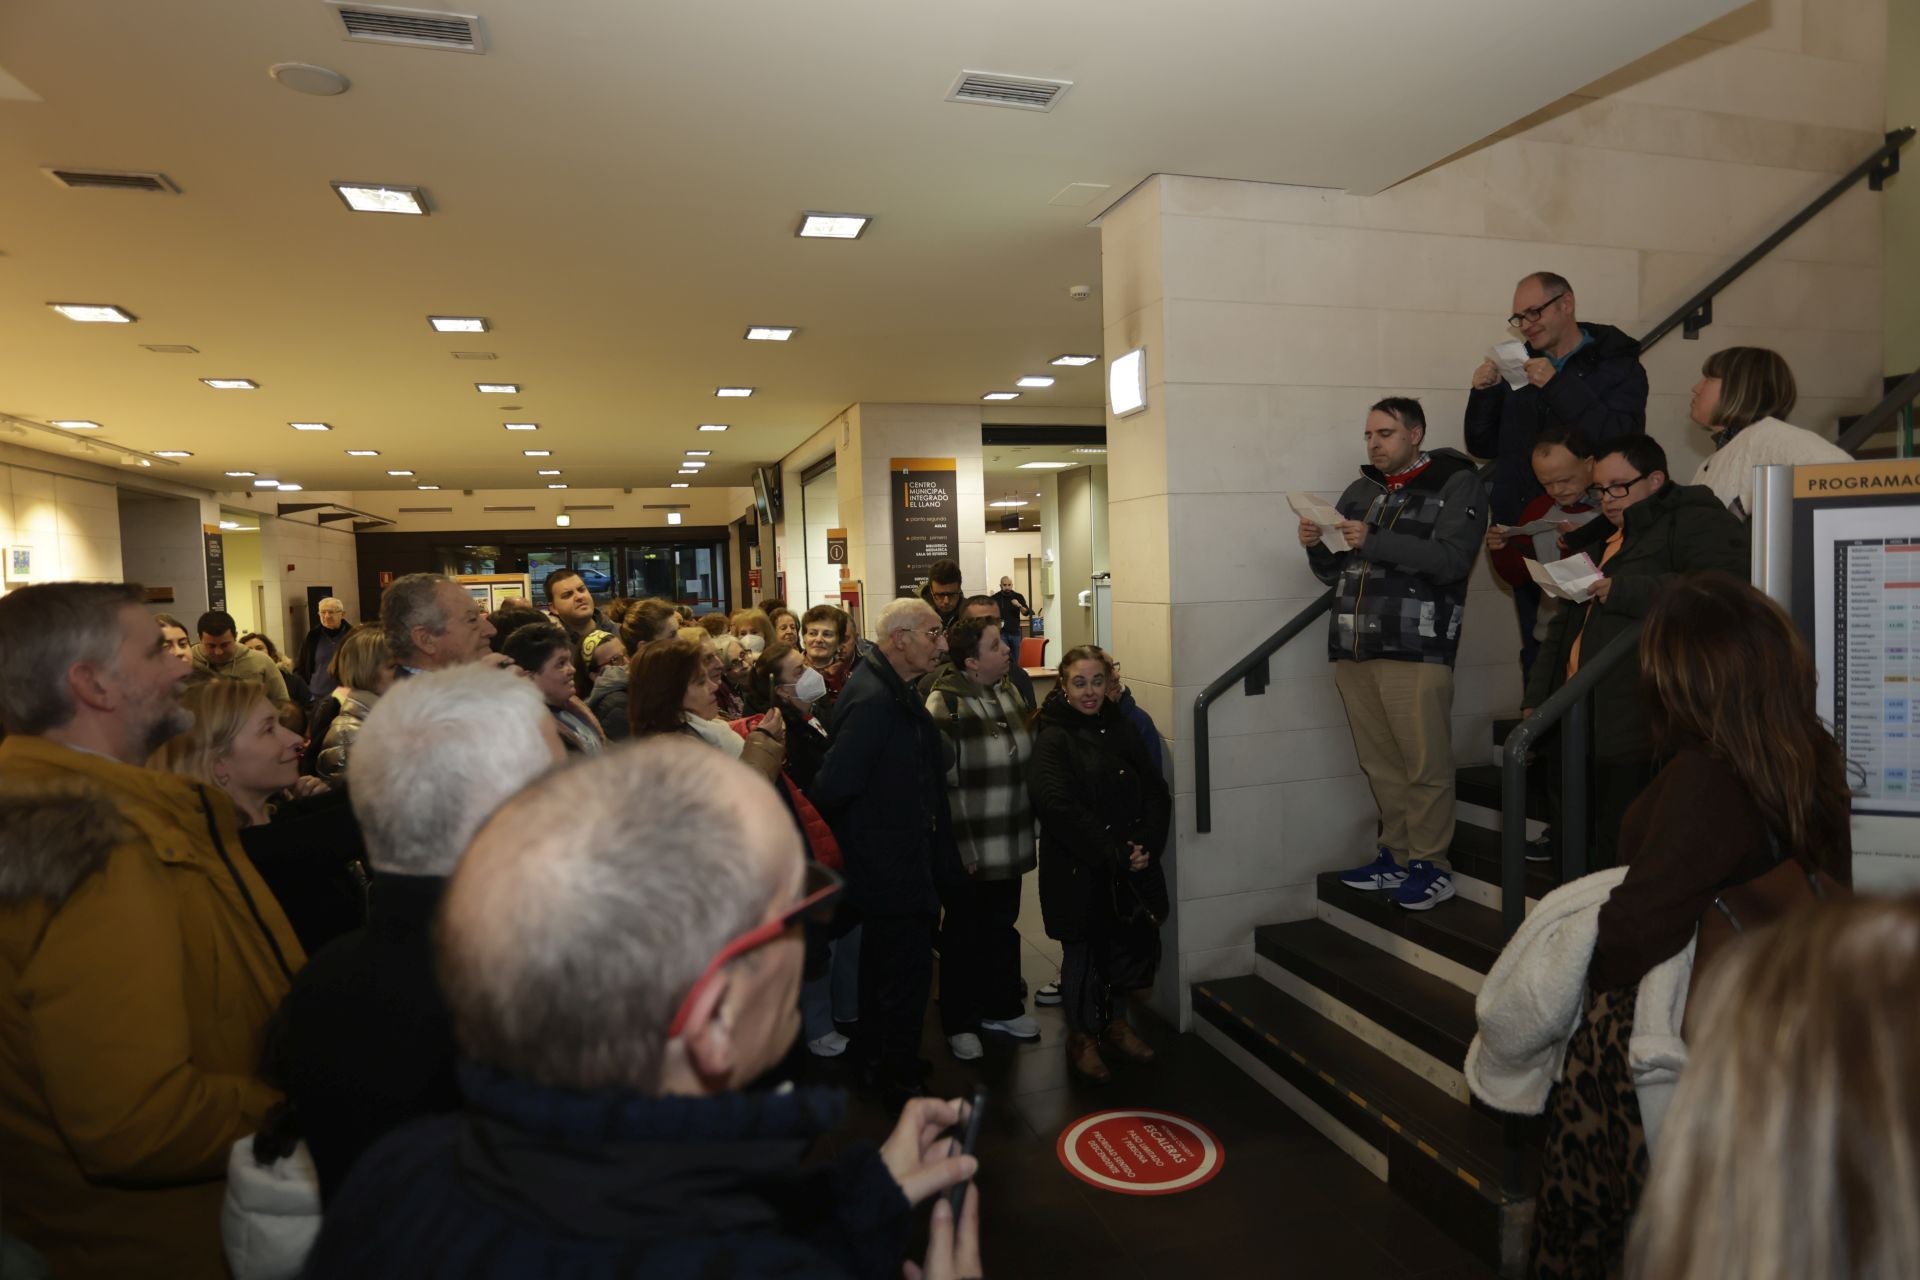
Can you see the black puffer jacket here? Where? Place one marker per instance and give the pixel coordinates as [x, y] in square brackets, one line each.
[1095, 793]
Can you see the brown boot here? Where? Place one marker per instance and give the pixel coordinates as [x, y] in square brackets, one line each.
[1120, 1037]
[1084, 1060]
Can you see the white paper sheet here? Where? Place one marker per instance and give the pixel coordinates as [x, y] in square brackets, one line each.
[1570, 579]
[1511, 357]
[1308, 507]
[1534, 528]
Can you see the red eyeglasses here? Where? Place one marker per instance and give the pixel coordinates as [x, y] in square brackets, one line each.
[817, 895]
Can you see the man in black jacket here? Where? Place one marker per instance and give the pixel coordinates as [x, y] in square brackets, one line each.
[883, 787]
[1578, 375]
[317, 650]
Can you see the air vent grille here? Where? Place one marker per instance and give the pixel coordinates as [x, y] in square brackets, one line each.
[506, 508]
[425, 511]
[1022, 93]
[605, 506]
[475, 355]
[112, 180]
[419, 28]
[170, 348]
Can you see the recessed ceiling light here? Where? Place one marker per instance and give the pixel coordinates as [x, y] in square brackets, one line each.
[74, 424]
[1001, 395]
[266, 484]
[548, 471]
[229, 524]
[714, 426]
[692, 465]
[560, 485]
[699, 453]
[310, 426]
[834, 226]
[521, 426]
[385, 198]
[1033, 380]
[240, 475]
[1006, 504]
[93, 312]
[1044, 466]
[678, 484]
[736, 393]
[458, 324]
[172, 453]
[363, 453]
[426, 486]
[770, 333]
[537, 453]
[1076, 361]
[673, 517]
[232, 384]
[1090, 450]
[399, 473]
[498, 388]
[291, 488]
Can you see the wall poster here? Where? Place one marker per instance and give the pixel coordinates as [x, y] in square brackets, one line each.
[926, 518]
[216, 569]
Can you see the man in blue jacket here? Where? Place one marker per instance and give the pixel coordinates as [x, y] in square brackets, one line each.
[1578, 375]
[1413, 524]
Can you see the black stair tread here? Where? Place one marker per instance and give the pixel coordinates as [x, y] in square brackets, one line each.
[1364, 1088]
[1462, 931]
[1484, 784]
[1476, 852]
[1428, 1012]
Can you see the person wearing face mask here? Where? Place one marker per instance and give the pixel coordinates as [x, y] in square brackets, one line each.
[545, 654]
[1104, 812]
[823, 632]
[1743, 396]
[750, 626]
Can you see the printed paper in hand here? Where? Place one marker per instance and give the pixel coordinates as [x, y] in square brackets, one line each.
[1534, 528]
[1570, 579]
[1512, 357]
[1308, 507]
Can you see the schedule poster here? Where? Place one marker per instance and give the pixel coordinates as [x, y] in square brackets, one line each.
[926, 518]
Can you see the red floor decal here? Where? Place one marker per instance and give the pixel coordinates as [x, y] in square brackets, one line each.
[1140, 1153]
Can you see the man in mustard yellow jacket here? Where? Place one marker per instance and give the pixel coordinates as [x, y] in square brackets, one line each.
[140, 953]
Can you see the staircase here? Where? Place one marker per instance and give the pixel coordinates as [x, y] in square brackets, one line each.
[1359, 1019]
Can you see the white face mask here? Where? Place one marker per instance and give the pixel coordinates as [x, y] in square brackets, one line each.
[810, 687]
[752, 642]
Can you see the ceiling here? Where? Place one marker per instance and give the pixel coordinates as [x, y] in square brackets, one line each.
[616, 186]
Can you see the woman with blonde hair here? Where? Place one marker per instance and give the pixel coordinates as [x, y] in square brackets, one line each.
[361, 670]
[1743, 397]
[1792, 1150]
[237, 744]
[747, 624]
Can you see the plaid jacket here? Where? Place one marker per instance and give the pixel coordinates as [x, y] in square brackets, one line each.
[990, 745]
[1402, 595]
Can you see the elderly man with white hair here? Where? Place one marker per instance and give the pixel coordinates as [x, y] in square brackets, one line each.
[617, 986]
[317, 650]
[883, 787]
[433, 623]
[369, 1042]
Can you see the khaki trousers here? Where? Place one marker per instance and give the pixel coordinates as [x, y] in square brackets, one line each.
[1401, 714]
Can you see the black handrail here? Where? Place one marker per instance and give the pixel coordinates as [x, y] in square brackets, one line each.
[1570, 701]
[1253, 669]
[1696, 313]
[1870, 423]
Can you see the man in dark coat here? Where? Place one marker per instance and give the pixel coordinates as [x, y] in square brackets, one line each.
[317, 650]
[369, 1042]
[942, 591]
[1578, 375]
[883, 787]
[615, 990]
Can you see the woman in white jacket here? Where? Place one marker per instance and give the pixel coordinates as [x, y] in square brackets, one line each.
[1743, 397]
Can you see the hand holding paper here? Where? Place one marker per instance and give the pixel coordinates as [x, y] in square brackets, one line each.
[1570, 579]
[1511, 358]
[1308, 507]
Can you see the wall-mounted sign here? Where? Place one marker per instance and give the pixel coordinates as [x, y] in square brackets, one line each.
[926, 518]
[837, 550]
[19, 565]
[216, 569]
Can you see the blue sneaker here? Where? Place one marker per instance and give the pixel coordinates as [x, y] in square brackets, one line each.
[1426, 887]
[1382, 873]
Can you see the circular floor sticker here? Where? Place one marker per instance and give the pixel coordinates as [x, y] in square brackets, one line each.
[1140, 1153]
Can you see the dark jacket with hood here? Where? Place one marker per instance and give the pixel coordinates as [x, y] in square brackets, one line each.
[1095, 793]
[1402, 595]
[1601, 389]
[883, 787]
[532, 1182]
[1677, 529]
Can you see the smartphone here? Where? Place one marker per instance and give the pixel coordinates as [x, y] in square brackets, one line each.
[969, 1128]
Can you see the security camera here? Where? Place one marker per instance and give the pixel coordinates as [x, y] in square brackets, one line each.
[1079, 292]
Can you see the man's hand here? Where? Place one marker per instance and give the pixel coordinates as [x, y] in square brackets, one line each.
[1602, 589]
[1486, 375]
[1496, 537]
[1354, 531]
[500, 661]
[1309, 532]
[919, 1152]
[952, 1255]
[1526, 713]
[1540, 371]
[1137, 858]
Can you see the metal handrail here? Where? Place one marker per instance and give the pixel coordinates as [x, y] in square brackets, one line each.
[1696, 313]
[1253, 669]
[1870, 422]
[1571, 702]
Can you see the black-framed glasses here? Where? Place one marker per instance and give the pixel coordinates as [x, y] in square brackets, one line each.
[1531, 314]
[1619, 490]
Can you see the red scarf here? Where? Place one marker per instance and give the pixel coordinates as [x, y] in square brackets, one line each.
[1406, 477]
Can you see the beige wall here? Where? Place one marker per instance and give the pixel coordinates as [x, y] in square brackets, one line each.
[163, 544]
[1274, 315]
[73, 525]
[1902, 202]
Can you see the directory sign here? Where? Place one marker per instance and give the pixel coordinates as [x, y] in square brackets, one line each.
[926, 518]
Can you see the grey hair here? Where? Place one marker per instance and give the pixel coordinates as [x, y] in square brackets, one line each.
[334, 601]
[438, 753]
[412, 601]
[896, 617]
[574, 928]
[45, 630]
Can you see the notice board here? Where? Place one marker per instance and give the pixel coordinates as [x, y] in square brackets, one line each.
[926, 518]
[216, 568]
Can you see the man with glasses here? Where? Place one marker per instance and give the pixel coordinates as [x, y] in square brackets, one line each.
[618, 998]
[883, 787]
[1652, 529]
[943, 590]
[1586, 376]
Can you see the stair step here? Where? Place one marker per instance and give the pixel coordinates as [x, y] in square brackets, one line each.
[1476, 852]
[1464, 932]
[1427, 1012]
[1502, 726]
[1453, 1163]
[1483, 784]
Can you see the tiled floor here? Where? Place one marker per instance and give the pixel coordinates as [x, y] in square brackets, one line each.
[1286, 1202]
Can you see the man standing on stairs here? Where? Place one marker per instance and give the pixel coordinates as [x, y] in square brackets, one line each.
[1399, 561]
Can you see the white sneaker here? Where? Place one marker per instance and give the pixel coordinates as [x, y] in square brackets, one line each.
[966, 1046]
[1020, 1028]
[830, 1045]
